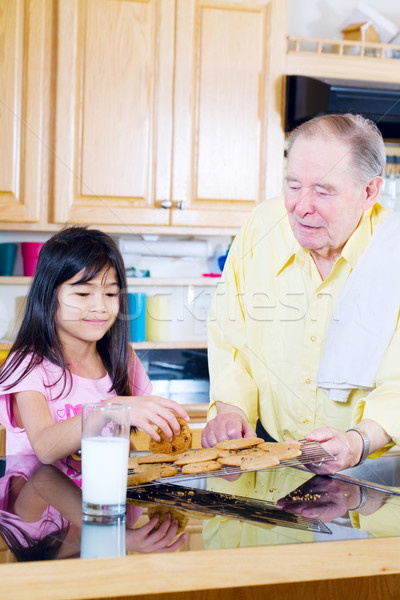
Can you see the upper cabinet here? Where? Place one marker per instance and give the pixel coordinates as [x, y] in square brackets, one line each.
[163, 110]
[25, 32]
[113, 126]
[151, 114]
[228, 135]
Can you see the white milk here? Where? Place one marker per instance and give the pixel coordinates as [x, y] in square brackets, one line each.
[103, 541]
[104, 470]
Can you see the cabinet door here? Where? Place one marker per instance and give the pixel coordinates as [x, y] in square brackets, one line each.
[24, 52]
[113, 135]
[228, 132]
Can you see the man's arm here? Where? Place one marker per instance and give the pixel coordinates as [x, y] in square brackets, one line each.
[233, 408]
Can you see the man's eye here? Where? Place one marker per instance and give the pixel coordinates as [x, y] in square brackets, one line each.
[322, 193]
[294, 187]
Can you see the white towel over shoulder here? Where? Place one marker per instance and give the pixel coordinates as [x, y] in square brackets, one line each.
[365, 316]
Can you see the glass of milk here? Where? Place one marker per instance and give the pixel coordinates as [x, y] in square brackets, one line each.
[105, 453]
[102, 537]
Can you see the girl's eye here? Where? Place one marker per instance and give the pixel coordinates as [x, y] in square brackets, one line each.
[83, 294]
[111, 295]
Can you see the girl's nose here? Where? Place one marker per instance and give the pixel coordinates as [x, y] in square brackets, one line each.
[99, 304]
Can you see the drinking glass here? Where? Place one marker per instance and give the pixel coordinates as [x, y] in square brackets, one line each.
[105, 453]
[102, 537]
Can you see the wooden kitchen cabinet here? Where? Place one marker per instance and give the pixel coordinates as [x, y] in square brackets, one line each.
[167, 102]
[228, 131]
[113, 136]
[25, 32]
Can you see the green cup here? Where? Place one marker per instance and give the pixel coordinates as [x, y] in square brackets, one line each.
[8, 252]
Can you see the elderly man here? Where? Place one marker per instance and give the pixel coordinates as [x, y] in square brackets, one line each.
[274, 353]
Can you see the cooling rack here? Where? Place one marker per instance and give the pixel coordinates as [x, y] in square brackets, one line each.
[311, 453]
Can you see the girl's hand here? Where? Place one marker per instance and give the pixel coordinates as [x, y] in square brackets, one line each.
[150, 411]
[148, 539]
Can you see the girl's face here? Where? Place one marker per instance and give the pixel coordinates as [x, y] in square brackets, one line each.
[86, 311]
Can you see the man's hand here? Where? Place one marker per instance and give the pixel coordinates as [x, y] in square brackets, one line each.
[345, 447]
[230, 423]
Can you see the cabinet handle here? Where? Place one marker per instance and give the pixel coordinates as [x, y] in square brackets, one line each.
[180, 205]
[165, 204]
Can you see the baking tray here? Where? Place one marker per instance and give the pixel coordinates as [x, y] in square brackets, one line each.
[211, 504]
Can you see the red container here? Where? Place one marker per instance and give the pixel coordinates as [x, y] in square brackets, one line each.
[30, 254]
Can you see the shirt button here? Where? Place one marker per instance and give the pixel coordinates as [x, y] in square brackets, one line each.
[320, 296]
[308, 380]
[313, 338]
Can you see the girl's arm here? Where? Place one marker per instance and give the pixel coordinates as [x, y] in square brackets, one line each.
[50, 441]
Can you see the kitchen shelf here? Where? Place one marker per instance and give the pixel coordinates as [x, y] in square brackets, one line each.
[344, 48]
[343, 59]
[137, 281]
[173, 345]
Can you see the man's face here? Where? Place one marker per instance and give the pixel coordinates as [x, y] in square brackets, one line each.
[323, 200]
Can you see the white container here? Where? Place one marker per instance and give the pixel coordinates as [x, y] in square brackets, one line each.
[105, 452]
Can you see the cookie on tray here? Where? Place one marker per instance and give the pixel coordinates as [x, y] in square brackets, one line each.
[201, 467]
[238, 444]
[196, 456]
[250, 463]
[132, 462]
[179, 443]
[232, 460]
[160, 457]
[281, 450]
[147, 473]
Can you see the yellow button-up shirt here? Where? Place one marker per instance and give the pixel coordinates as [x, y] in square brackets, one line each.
[267, 327]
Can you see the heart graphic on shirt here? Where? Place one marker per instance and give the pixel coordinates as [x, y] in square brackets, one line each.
[61, 414]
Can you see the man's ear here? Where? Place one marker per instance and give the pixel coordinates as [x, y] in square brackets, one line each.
[372, 190]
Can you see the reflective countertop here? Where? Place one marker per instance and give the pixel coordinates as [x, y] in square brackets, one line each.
[41, 517]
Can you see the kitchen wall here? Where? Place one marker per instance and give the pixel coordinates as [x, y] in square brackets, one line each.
[187, 305]
[323, 18]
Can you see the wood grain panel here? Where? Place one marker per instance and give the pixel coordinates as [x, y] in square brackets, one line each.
[113, 120]
[24, 27]
[227, 106]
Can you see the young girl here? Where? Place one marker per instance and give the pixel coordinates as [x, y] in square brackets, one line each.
[72, 348]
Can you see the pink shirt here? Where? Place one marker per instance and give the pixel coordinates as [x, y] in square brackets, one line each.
[69, 404]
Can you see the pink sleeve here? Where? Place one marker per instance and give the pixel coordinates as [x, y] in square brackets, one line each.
[141, 383]
[31, 383]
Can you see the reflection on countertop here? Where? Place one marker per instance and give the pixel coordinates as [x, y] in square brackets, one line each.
[41, 512]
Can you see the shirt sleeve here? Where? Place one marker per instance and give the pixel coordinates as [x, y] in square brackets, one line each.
[33, 382]
[229, 365]
[141, 385]
[382, 405]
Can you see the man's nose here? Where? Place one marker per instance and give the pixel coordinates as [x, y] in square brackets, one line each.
[305, 203]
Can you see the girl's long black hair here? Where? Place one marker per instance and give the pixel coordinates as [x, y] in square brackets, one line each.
[65, 254]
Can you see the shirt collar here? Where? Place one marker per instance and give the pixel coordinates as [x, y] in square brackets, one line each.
[352, 250]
